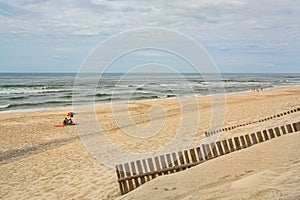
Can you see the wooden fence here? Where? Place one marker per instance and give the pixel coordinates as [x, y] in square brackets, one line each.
[209, 133]
[133, 174]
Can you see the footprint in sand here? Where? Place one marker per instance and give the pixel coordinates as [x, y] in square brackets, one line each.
[167, 189]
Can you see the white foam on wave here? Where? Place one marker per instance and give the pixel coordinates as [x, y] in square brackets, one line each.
[27, 90]
[4, 106]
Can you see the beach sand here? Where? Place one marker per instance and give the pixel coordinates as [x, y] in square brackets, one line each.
[41, 161]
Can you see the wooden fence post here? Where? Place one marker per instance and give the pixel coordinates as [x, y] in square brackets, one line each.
[124, 183]
[128, 174]
[120, 183]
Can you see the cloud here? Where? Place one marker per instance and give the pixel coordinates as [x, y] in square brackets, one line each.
[96, 17]
[234, 27]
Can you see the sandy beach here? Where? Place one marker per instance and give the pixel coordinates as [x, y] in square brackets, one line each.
[41, 161]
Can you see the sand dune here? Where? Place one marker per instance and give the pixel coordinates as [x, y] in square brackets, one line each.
[268, 170]
[40, 161]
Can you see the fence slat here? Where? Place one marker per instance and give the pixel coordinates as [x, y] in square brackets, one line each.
[186, 155]
[169, 162]
[157, 165]
[200, 156]
[265, 134]
[193, 155]
[277, 131]
[146, 169]
[214, 149]
[140, 170]
[208, 151]
[181, 158]
[151, 167]
[175, 160]
[163, 163]
[237, 143]
[242, 138]
[220, 149]
[254, 139]
[128, 174]
[204, 151]
[259, 136]
[124, 183]
[231, 145]
[271, 133]
[133, 168]
[249, 143]
[119, 176]
[289, 128]
[225, 145]
[296, 126]
[283, 130]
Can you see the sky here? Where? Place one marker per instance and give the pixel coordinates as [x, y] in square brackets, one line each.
[240, 36]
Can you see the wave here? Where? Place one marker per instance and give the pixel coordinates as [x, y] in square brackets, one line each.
[62, 103]
[17, 98]
[171, 95]
[102, 95]
[144, 97]
[109, 99]
[66, 97]
[21, 86]
[30, 91]
[4, 106]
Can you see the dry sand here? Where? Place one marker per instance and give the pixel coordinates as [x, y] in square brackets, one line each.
[268, 170]
[40, 161]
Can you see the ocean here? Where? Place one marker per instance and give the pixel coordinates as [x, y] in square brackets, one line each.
[36, 91]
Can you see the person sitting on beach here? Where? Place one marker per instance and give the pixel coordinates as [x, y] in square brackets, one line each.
[66, 121]
[71, 122]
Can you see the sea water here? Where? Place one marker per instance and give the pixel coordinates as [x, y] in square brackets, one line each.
[25, 91]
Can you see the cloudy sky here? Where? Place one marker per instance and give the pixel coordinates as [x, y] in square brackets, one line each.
[239, 35]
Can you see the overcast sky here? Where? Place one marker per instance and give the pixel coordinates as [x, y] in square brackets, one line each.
[240, 36]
